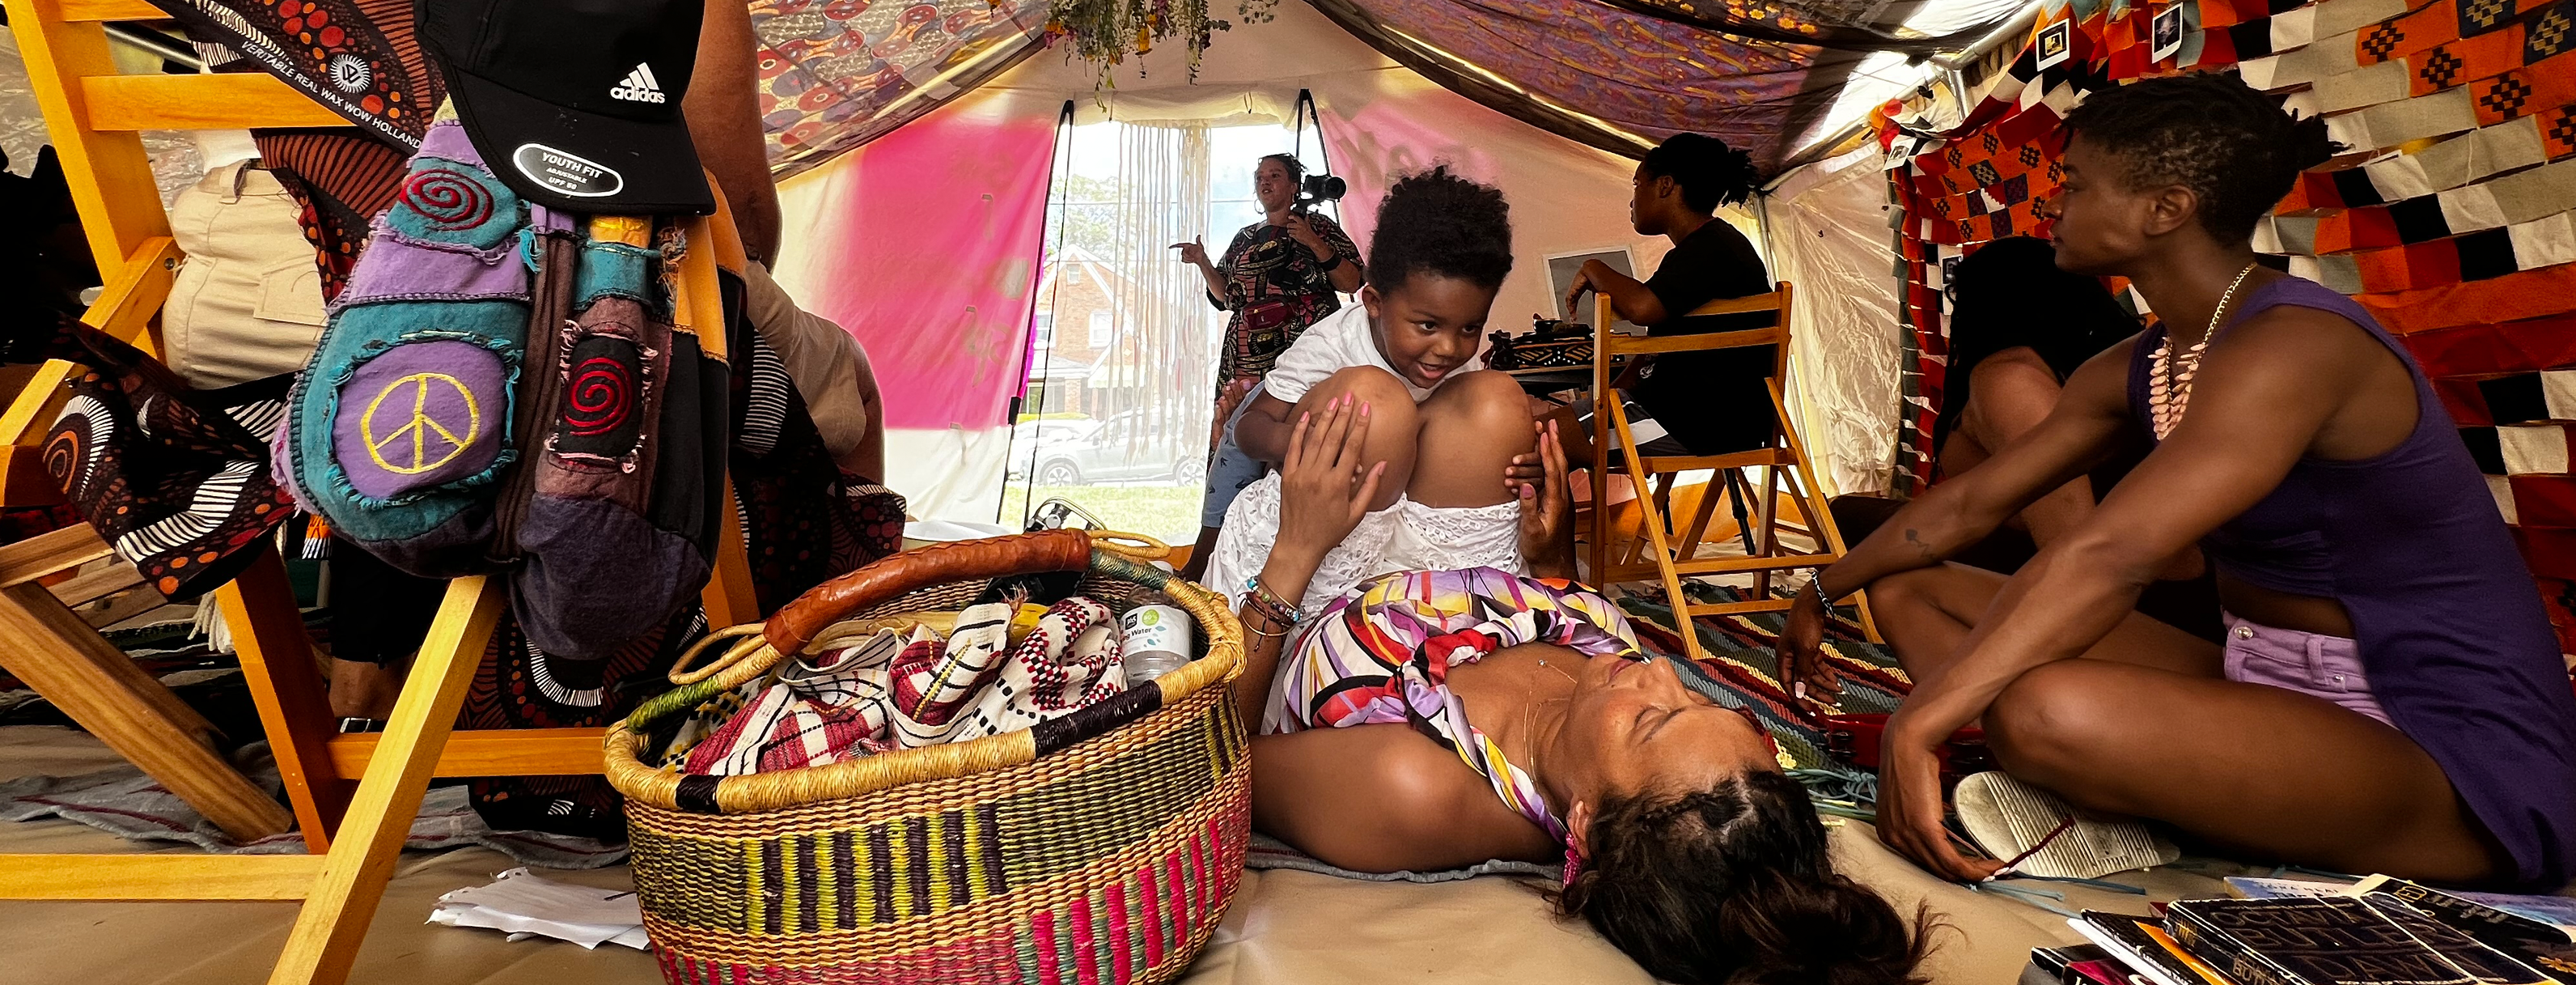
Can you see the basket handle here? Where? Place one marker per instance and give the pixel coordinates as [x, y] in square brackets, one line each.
[1052, 550]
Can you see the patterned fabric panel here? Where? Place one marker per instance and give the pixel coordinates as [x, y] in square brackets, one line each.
[2451, 216]
[835, 74]
[1557, 54]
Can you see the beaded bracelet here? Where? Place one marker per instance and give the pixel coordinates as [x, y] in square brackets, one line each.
[1259, 596]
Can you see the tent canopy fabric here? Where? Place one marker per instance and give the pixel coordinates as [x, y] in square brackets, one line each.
[1619, 75]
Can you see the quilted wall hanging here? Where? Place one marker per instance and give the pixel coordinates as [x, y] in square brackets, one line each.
[2452, 217]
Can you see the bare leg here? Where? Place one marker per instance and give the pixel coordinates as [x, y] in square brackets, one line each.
[2261, 770]
[1392, 422]
[1471, 428]
[1926, 613]
[2144, 725]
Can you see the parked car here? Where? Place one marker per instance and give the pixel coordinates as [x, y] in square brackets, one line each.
[1102, 451]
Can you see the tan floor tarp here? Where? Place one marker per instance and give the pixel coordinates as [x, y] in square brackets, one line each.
[1286, 928]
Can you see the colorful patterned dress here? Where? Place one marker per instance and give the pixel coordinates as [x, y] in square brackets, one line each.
[1381, 654]
[1275, 288]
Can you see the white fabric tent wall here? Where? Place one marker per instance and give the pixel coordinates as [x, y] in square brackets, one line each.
[1380, 119]
[1828, 233]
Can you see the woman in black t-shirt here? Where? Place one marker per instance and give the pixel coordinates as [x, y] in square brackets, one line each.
[1689, 403]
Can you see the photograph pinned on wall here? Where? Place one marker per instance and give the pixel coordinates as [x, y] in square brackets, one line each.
[2056, 41]
[2167, 33]
[1561, 268]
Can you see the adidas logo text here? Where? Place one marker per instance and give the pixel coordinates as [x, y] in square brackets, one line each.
[639, 86]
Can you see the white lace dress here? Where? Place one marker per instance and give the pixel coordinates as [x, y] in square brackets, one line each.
[1407, 536]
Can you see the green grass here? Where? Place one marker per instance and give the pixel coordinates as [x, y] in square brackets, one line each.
[1170, 513]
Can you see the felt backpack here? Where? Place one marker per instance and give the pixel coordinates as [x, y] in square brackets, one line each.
[625, 473]
[501, 389]
[404, 422]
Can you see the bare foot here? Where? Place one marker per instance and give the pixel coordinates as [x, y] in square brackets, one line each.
[364, 690]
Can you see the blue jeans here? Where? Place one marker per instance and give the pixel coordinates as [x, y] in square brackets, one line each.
[1230, 470]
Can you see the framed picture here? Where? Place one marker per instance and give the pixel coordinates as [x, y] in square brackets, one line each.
[2167, 32]
[2056, 41]
[1561, 268]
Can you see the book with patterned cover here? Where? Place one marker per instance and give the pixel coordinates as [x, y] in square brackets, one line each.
[2337, 941]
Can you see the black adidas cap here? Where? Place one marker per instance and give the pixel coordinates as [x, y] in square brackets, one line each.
[576, 103]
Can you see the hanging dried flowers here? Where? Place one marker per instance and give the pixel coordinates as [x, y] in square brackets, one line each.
[1106, 32]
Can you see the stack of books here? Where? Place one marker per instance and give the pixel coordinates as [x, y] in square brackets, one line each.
[2380, 931]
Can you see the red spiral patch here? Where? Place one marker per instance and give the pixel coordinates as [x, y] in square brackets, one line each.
[448, 200]
[601, 396]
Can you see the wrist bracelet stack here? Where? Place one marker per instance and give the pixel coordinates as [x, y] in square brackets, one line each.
[1259, 600]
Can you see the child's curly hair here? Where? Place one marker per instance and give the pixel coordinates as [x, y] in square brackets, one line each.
[1435, 222]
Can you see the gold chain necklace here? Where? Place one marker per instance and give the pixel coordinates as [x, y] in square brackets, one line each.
[1529, 717]
[2169, 387]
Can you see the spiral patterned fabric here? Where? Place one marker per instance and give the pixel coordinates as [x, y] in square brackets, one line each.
[601, 397]
[175, 479]
[446, 201]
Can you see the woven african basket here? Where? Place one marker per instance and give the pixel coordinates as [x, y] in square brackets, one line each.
[1101, 847]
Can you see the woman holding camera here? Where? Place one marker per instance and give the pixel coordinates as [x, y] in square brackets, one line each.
[1278, 276]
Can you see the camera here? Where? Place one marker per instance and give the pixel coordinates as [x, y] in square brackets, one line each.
[1318, 188]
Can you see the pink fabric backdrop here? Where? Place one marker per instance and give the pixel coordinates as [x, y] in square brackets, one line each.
[926, 249]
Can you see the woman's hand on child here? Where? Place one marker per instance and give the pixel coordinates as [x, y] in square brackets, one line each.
[1324, 489]
[1547, 506]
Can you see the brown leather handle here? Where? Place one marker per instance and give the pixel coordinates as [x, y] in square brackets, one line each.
[993, 557]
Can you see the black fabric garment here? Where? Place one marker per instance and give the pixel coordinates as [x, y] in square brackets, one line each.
[1711, 402]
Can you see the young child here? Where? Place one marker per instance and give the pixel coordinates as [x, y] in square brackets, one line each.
[1442, 432]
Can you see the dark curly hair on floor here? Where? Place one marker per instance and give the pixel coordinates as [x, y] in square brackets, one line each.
[1435, 222]
[1710, 173]
[2234, 147]
[1732, 886]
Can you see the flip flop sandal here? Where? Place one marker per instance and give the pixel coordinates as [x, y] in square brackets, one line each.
[2040, 835]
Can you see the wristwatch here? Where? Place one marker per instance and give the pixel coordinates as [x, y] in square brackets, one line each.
[1328, 264]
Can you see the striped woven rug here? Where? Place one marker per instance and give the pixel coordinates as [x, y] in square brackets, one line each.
[1742, 670]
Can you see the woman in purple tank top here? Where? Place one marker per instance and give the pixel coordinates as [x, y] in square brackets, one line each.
[2389, 697]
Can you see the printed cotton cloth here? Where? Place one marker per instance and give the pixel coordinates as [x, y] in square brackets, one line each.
[1381, 654]
[899, 690]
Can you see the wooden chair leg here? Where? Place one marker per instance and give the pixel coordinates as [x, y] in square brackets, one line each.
[1709, 494]
[334, 919]
[277, 660]
[51, 648]
[1653, 520]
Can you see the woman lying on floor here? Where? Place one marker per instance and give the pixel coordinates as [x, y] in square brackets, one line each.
[1430, 720]
[2389, 698]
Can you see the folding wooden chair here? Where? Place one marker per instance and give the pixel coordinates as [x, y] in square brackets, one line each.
[354, 796]
[1655, 553]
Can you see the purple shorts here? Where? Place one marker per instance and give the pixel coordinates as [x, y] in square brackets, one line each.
[2315, 664]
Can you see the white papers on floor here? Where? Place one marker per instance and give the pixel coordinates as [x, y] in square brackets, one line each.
[524, 905]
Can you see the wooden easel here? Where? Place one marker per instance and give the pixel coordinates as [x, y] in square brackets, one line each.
[354, 796]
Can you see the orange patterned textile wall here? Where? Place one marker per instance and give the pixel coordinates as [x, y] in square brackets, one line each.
[2452, 216]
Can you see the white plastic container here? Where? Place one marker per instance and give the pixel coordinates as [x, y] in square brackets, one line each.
[1157, 641]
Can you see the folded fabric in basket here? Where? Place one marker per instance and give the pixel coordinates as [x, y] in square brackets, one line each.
[899, 690]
